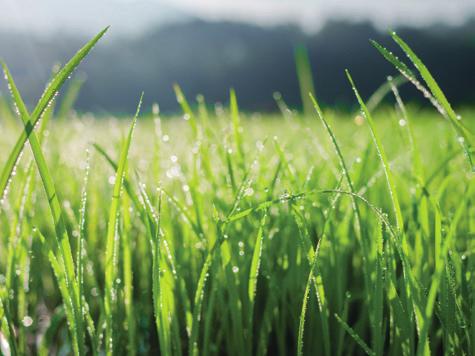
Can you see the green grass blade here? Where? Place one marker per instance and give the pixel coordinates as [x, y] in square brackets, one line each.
[377, 97]
[62, 239]
[111, 258]
[304, 74]
[382, 156]
[233, 106]
[435, 96]
[254, 271]
[45, 100]
[355, 336]
[185, 106]
[462, 132]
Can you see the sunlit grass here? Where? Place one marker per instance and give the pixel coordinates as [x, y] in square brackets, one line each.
[221, 232]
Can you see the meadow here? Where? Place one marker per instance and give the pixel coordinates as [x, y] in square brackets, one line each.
[218, 232]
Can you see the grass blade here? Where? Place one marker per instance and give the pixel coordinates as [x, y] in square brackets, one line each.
[45, 100]
[382, 156]
[62, 239]
[110, 297]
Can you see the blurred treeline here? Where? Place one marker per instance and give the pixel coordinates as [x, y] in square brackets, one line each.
[211, 57]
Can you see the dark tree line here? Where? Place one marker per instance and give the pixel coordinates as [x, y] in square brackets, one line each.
[209, 58]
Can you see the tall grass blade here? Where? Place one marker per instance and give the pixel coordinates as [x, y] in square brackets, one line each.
[62, 239]
[42, 105]
[382, 156]
[112, 244]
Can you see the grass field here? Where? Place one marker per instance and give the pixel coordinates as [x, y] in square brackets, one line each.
[228, 233]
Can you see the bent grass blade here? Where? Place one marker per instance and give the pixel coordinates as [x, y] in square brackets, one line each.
[45, 100]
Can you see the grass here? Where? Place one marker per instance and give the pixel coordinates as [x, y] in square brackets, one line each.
[230, 233]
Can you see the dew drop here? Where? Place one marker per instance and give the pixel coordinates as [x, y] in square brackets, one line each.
[27, 321]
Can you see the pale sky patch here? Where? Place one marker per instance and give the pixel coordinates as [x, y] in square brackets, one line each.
[133, 16]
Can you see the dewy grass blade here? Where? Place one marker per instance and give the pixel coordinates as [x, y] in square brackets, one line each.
[204, 274]
[254, 271]
[185, 106]
[80, 249]
[462, 132]
[435, 96]
[161, 311]
[62, 239]
[440, 264]
[111, 260]
[342, 164]
[400, 241]
[355, 336]
[394, 60]
[382, 156]
[377, 97]
[45, 100]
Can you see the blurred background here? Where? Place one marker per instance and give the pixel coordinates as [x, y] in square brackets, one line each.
[208, 46]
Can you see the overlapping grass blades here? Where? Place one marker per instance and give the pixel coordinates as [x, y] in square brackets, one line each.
[62, 263]
[42, 105]
[212, 251]
[436, 95]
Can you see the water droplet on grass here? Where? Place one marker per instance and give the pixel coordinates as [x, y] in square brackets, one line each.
[27, 321]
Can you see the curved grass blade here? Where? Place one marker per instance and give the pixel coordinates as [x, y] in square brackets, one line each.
[377, 97]
[437, 92]
[435, 96]
[65, 264]
[45, 100]
[342, 165]
[382, 156]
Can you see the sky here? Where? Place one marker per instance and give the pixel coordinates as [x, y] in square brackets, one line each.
[133, 16]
